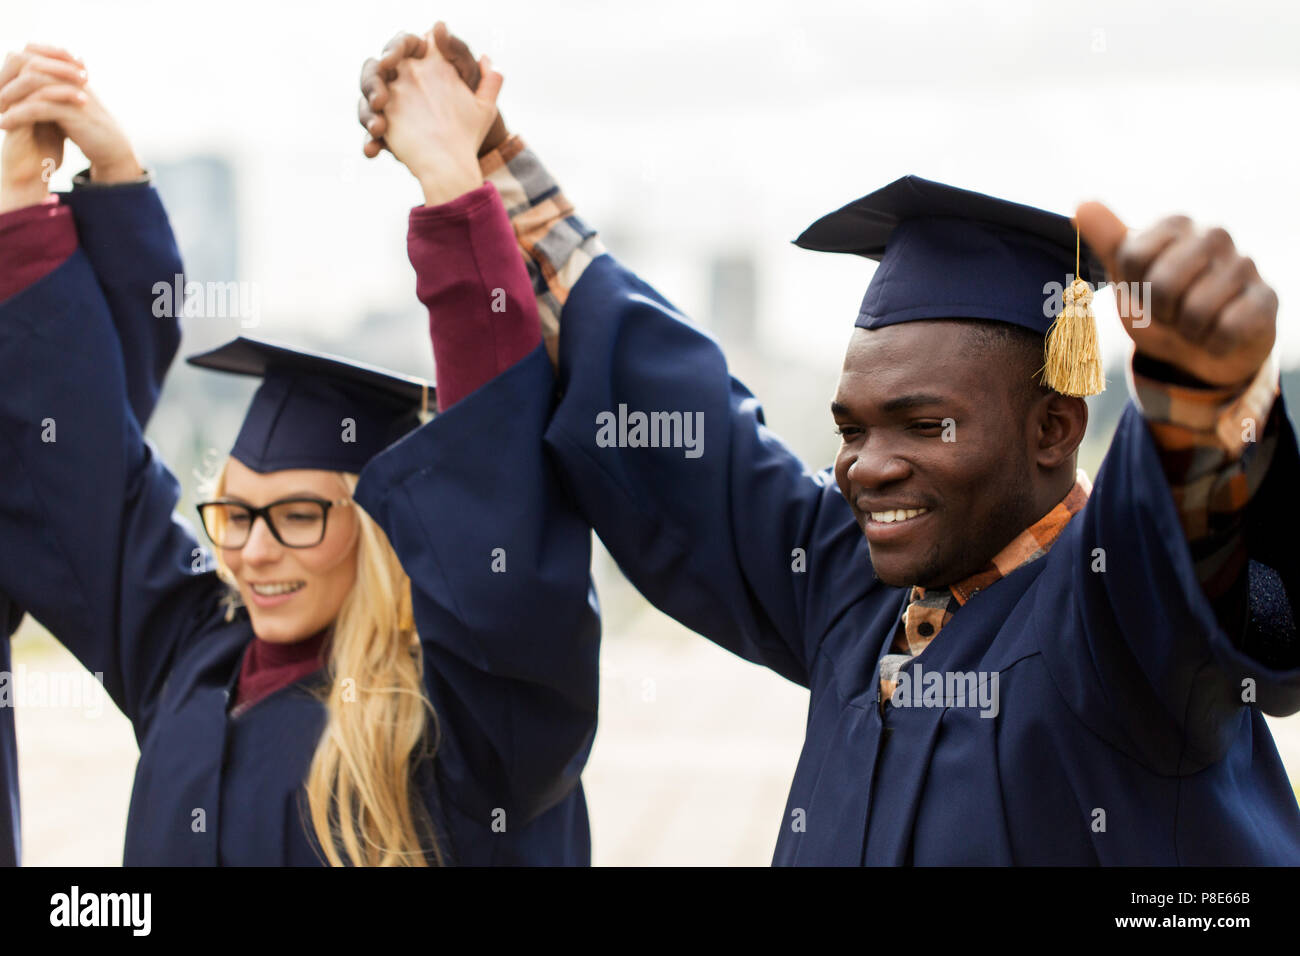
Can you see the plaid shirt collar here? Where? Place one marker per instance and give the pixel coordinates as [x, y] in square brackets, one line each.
[926, 614]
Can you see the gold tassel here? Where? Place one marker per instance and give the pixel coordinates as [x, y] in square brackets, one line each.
[1072, 352]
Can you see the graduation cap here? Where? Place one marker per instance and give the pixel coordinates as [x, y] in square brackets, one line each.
[315, 410]
[949, 253]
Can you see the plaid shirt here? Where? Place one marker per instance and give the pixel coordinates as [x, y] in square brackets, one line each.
[927, 613]
[1215, 444]
[1215, 447]
[557, 245]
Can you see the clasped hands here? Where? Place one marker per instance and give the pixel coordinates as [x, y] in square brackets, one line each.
[1209, 314]
[429, 102]
[433, 106]
[44, 100]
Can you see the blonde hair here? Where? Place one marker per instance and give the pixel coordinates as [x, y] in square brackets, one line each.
[360, 797]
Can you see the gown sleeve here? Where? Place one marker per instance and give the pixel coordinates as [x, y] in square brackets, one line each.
[1140, 647]
[92, 549]
[497, 555]
[124, 233]
[34, 241]
[728, 533]
[499, 565]
[717, 523]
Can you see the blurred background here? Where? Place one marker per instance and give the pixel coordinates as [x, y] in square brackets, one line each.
[700, 138]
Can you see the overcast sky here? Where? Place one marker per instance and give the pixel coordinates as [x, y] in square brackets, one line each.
[699, 125]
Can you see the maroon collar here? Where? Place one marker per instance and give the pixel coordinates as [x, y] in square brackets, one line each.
[269, 666]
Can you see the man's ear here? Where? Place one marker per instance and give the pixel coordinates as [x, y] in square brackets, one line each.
[1060, 422]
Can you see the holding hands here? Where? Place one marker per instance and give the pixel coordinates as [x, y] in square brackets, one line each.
[43, 100]
[428, 102]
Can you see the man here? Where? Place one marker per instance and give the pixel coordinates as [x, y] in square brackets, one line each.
[1006, 663]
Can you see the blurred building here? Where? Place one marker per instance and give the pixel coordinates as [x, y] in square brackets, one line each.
[200, 195]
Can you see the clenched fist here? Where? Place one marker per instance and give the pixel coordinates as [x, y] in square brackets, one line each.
[1208, 312]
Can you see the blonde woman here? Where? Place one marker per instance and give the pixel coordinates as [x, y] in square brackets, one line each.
[392, 658]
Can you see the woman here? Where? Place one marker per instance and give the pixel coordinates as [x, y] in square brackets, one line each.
[337, 710]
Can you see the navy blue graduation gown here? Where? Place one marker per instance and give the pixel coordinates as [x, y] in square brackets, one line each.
[126, 261]
[1120, 735]
[10, 832]
[510, 658]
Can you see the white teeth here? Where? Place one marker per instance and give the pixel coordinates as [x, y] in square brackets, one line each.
[270, 590]
[898, 514]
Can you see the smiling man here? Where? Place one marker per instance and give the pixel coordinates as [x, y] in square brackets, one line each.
[1134, 632]
[924, 506]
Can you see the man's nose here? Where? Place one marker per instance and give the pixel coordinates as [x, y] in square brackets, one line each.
[877, 464]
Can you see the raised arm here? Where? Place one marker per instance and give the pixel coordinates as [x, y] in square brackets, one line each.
[498, 557]
[126, 236]
[119, 219]
[719, 525]
[1186, 574]
[708, 513]
[91, 547]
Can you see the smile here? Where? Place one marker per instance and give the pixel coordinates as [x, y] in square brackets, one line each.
[273, 590]
[897, 514]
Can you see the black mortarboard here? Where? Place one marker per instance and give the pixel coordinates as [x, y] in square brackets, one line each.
[315, 410]
[949, 253]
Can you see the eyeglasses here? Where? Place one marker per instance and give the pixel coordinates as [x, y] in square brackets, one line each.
[294, 522]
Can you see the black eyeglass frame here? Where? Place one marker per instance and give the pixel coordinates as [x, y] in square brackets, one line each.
[264, 513]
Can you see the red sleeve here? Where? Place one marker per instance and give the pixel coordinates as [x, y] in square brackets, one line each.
[34, 241]
[471, 277]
